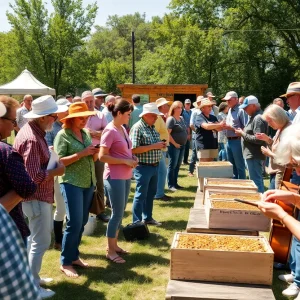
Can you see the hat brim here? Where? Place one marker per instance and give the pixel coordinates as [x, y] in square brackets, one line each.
[100, 95]
[242, 106]
[163, 103]
[60, 109]
[2, 109]
[149, 112]
[79, 114]
[226, 98]
[201, 106]
[290, 94]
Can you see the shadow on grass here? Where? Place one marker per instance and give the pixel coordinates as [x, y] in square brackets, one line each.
[182, 203]
[178, 225]
[278, 286]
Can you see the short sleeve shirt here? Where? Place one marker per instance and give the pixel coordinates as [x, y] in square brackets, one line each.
[81, 173]
[205, 139]
[96, 122]
[179, 131]
[119, 147]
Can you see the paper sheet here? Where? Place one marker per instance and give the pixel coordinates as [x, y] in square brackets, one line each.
[53, 161]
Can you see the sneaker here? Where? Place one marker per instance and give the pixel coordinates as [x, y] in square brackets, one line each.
[164, 198]
[292, 291]
[179, 187]
[172, 189]
[45, 293]
[44, 281]
[153, 222]
[286, 278]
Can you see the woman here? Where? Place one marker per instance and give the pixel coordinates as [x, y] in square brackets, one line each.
[177, 137]
[73, 144]
[222, 139]
[206, 126]
[276, 118]
[116, 153]
[15, 182]
[287, 154]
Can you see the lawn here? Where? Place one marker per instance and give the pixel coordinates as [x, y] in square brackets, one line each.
[146, 272]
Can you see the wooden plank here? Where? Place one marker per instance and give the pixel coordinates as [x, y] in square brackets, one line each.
[198, 200]
[222, 266]
[190, 290]
[197, 223]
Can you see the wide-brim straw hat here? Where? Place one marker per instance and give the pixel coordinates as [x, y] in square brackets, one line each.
[293, 89]
[161, 101]
[78, 109]
[2, 109]
[150, 108]
[205, 102]
[44, 106]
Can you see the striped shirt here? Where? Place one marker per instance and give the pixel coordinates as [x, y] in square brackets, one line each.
[142, 134]
[31, 144]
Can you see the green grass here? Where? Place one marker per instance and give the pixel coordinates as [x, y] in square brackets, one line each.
[146, 272]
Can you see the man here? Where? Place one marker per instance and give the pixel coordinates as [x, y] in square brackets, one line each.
[235, 120]
[69, 97]
[293, 100]
[210, 97]
[76, 99]
[105, 111]
[31, 144]
[95, 126]
[279, 102]
[250, 144]
[138, 108]
[147, 146]
[160, 126]
[60, 211]
[21, 121]
[99, 98]
[186, 114]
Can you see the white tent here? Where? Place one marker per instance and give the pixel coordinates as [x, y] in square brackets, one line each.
[24, 84]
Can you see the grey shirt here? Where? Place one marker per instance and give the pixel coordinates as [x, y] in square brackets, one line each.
[250, 144]
[179, 131]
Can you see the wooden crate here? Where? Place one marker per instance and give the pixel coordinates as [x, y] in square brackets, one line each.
[238, 219]
[216, 169]
[222, 266]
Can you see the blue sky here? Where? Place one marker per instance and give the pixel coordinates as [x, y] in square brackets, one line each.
[105, 9]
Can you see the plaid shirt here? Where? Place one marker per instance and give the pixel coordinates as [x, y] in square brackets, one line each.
[31, 144]
[141, 134]
[16, 279]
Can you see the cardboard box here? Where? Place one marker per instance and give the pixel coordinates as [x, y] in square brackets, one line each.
[222, 266]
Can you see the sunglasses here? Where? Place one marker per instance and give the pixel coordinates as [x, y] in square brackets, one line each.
[13, 121]
[54, 117]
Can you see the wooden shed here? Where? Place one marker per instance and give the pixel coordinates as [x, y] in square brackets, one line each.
[172, 92]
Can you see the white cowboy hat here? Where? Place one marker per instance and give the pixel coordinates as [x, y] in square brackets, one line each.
[161, 101]
[43, 106]
[2, 109]
[150, 108]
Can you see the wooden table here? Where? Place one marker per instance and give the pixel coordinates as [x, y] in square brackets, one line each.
[197, 223]
[191, 290]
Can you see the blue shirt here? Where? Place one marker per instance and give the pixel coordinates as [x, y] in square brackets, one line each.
[135, 115]
[236, 119]
[187, 117]
[50, 135]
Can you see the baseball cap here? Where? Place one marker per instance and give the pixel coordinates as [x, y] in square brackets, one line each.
[231, 94]
[187, 101]
[249, 100]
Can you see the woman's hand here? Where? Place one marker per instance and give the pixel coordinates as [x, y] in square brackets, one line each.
[266, 151]
[284, 196]
[131, 162]
[272, 210]
[90, 150]
[262, 137]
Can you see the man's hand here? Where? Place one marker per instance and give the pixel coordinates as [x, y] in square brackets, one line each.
[239, 132]
[159, 145]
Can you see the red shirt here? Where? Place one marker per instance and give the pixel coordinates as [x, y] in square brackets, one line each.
[31, 144]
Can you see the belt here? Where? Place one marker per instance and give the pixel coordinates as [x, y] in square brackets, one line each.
[233, 138]
[150, 165]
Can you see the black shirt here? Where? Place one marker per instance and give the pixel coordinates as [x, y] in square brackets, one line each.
[205, 139]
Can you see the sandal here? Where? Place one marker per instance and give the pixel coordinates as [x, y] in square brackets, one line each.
[122, 251]
[118, 259]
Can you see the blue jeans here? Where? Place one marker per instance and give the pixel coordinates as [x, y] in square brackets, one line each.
[175, 160]
[255, 167]
[294, 257]
[186, 151]
[194, 158]
[295, 178]
[162, 175]
[146, 184]
[272, 181]
[222, 152]
[235, 156]
[78, 202]
[118, 191]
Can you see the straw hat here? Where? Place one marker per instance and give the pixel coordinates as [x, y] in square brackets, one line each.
[78, 109]
[150, 108]
[44, 106]
[205, 102]
[2, 109]
[161, 101]
[293, 88]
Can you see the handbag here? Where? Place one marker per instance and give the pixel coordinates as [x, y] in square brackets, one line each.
[136, 231]
[97, 206]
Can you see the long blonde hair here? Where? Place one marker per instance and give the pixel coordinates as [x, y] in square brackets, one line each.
[174, 105]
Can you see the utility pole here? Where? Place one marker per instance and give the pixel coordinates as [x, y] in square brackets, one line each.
[133, 59]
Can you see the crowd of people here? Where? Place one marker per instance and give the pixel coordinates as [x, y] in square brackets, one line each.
[100, 143]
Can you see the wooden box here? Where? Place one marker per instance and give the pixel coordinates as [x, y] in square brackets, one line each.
[233, 218]
[220, 265]
[216, 169]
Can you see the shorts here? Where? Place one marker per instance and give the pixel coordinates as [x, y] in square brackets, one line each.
[207, 153]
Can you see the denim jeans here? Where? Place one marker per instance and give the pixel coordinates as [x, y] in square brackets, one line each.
[295, 178]
[235, 156]
[162, 176]
[272, 181]
[222, 152]
[78, 202]
[255, 167]
[118, 190]
[39, 215]
[186, 151]
[194, 157]
[294, 257]
[146, 184]
[175, 160]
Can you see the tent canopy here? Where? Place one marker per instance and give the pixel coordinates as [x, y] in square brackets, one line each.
[24, 84]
